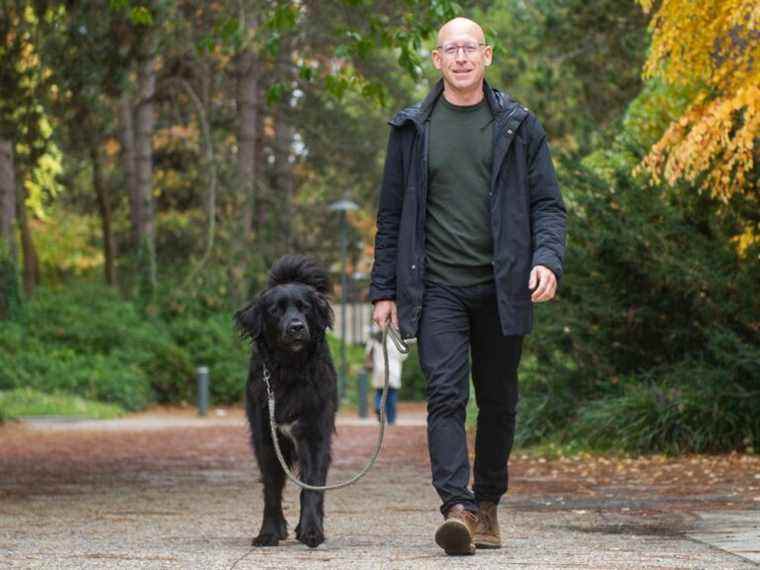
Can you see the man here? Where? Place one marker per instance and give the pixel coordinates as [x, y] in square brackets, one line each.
[470, 233]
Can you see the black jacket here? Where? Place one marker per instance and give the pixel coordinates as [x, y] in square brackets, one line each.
[527, 212]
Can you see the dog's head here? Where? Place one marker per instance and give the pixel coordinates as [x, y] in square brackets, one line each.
[292, 313]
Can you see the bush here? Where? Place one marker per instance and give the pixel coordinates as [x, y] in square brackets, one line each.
[654, 345]
[212, 341]
[27, 402]
[54, 368]
[701, 404]
[87, 341]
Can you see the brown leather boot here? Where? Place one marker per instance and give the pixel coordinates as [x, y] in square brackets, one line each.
[487, 534]
[455, 534]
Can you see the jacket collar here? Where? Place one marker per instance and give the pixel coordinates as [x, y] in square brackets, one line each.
[500, 103]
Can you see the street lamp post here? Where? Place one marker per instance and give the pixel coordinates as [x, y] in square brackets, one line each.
[343, 206]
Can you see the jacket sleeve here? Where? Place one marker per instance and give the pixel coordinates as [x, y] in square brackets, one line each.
[383, 282]
[547, 209]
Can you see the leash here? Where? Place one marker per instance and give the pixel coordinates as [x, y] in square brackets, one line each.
[403, 348]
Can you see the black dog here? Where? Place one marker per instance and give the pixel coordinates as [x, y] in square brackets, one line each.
[286, 325]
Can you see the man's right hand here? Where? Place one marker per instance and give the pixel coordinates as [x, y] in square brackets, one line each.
[384, 312]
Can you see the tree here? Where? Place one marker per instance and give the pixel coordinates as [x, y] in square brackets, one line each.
[21, 120]
[88, 70]
[575, 63]
[712, 47]
[291, 50]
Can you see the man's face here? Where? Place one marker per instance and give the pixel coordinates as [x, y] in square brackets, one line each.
[462, 57]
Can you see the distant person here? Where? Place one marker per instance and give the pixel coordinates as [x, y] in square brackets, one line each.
[375, 364]
[470, 234]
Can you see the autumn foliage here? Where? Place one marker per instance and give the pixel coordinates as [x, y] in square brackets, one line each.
[713, 47]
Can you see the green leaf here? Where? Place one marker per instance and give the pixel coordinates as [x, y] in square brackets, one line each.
[306, 73]
[276, 93]
[141, 16]
[205, 45]
[118, 4]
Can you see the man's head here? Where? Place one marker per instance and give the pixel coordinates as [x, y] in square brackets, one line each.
[462, 55]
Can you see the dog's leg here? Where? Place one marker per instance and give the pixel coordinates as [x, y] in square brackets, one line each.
[314, 458]
[274, 527]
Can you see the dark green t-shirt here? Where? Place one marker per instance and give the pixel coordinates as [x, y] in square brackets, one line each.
[459, 245]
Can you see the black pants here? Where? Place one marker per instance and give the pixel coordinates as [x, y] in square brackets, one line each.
[457, 322]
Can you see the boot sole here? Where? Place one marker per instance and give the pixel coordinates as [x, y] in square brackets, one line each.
[454, 537]
[485, 543]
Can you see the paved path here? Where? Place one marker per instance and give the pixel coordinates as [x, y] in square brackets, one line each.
[181, 492]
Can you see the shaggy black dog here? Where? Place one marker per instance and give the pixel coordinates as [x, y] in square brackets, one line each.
[286, 325]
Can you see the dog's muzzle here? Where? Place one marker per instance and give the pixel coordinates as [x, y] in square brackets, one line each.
[296, 333]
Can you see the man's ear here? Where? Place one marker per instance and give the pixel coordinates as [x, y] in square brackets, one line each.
[323, 310]
[248, 321]
[435, 55]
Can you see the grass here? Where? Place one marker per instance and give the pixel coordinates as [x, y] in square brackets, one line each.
[27, 402]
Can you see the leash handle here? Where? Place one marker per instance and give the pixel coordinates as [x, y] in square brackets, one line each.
[401, 345]
[403, 348]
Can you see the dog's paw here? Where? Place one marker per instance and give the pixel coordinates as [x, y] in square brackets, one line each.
[266, 539]
[311, 535]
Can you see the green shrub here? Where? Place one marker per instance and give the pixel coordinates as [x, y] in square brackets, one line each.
[106, 378]
[28, 402]
[677, 419]
[86, 340]
[212, 341]
[654, 343]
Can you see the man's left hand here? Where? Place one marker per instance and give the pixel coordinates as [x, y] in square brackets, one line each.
[545, 284]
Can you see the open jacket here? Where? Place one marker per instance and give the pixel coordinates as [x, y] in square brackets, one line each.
[527, 212]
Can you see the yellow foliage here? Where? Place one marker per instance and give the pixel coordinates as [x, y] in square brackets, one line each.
[111, 147]
[713, 45]
[743, 241]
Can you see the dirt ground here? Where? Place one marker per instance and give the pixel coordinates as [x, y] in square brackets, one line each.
[169, 490]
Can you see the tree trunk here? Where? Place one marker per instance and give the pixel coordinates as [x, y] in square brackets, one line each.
[247, 119]
[10, 298]
[284, 182]
[7, 197]
[31, 270]
[259, 216]
[128, 158]
[104, 206]
[144, 124]
[247, 88]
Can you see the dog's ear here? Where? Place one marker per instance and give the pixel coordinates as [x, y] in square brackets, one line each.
[248, 321]
[323, 311]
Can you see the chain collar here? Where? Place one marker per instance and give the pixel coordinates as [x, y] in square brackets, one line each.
[270, 398]
[267, 375]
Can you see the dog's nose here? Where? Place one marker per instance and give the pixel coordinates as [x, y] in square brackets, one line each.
[296, 327]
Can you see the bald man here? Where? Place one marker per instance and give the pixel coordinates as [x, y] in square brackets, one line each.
[470, 233]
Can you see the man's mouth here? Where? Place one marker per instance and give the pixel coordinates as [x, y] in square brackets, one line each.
[462, 71]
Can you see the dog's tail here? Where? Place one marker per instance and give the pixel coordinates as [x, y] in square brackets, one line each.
[300, 269]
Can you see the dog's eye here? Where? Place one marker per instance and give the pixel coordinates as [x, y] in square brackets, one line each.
[301, 305]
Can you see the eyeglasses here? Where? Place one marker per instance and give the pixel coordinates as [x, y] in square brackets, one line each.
[451, 50]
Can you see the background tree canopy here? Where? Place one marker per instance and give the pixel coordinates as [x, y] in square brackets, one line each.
[157, 157]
